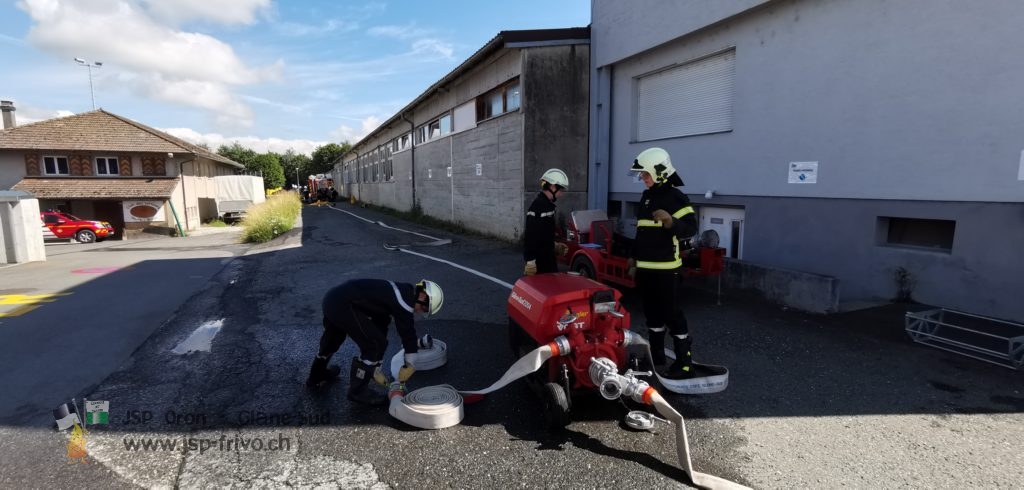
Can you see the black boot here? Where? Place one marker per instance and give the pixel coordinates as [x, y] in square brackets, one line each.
[321, 373]
[657, 341]
[359, 390]
[682, 367]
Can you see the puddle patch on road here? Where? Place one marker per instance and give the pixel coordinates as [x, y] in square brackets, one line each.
[201, 338]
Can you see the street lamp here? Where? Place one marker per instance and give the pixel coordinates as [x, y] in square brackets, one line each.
[97, 64]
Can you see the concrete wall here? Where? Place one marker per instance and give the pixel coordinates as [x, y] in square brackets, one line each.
[12, 168]
[491, 202]
[21, 237]
[556, 93]
[908, 121]
[622, 29]
[907, 112]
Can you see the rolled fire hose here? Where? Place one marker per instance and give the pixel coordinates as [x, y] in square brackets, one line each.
[440, 406]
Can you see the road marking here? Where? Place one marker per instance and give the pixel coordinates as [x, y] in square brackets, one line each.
[21, 310]
[457, 266]
[26, 302]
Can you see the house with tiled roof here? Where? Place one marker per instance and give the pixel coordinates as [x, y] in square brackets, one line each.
[99, 165]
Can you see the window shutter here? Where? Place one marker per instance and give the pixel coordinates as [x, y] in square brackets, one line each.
[695, 98]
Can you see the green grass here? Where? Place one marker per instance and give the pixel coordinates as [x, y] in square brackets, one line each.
[268, 220]
[215, 223]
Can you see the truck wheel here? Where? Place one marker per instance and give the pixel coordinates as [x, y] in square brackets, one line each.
[556, 406]
[85, 236]
[583, 266]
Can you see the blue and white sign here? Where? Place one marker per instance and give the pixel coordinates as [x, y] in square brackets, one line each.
[803, 172]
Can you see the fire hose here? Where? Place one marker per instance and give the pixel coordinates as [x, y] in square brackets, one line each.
[440, 406]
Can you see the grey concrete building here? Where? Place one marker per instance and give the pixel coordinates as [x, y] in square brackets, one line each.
[845, 151]
[472, 147]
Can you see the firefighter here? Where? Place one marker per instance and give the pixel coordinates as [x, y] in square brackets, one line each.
[664, 219]
[362, 309]
[539, 245]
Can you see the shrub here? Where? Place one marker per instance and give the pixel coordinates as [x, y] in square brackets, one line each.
[268, 220]
[215, 223]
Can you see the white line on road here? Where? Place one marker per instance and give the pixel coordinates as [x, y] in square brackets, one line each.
[453, 264]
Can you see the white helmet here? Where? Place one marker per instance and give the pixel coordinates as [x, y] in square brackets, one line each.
[435, 297]
[555, 176]
[656, 162]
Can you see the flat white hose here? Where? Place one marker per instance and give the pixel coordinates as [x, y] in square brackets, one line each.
[717, 381]
[702, 480]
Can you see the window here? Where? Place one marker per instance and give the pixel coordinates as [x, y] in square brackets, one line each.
[55, 166]
[106, 166]
[498, 101]
[690, 99]
[932, 234]
[434, 129]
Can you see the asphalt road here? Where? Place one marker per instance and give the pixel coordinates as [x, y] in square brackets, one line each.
[813, 402]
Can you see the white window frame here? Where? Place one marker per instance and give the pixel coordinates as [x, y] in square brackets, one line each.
[106, 162]
[56, 165]
[687, 99]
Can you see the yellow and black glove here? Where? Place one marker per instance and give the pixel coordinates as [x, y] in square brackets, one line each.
[531, 268]
[561, 249]
[407, 370]
[380, 377]
[664, 217]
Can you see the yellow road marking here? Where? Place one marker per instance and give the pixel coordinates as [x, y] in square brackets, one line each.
[21, 310]
[29, 299]
[26, 302]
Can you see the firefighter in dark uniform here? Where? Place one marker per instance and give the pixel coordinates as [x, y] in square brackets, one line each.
[362, 309]
[664, 219]
[539, 245]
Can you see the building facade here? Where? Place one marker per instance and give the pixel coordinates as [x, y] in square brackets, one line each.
[862, 151]
[472, 147]
[102, 166]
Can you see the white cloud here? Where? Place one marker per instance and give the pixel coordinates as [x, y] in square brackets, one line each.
[347, 133]
[296, 29]
[408, 31]
[426, 46]
[221, 11]
[259, 145]
[164, 63]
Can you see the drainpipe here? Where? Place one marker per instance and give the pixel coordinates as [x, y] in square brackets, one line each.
[181, 176]
[358, 178]
[412, 156]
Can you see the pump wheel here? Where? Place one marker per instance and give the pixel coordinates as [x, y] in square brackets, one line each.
[556, 406]
[582, 265]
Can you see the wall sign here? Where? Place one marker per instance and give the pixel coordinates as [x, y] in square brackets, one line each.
[803, 172]
[143, 211]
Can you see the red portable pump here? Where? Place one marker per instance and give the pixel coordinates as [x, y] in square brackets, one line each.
[585, 316]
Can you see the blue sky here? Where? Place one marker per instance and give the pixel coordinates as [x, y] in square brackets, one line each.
[271, 75]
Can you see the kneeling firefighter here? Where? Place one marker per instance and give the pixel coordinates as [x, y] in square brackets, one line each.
[664, 218]
[362, 309]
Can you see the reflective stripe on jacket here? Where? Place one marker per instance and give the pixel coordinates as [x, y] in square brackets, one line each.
[657, 248]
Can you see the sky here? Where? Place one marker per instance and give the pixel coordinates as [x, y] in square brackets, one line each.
[270, 75]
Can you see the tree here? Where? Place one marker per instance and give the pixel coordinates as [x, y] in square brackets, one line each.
[238, 153]
[270, 166]
[266, 164]
[324, 157]
[295, 164]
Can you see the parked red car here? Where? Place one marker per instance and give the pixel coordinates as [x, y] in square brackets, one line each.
[64, 225]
